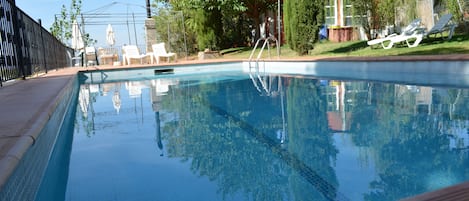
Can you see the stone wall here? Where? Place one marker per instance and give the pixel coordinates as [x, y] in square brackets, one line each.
[150, 33]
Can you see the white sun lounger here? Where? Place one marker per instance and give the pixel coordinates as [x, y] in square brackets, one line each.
[413, 35]
[408, 35]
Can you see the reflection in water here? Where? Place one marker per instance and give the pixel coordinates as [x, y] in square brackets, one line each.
[269, 137]
[116, 98]
[159, 88]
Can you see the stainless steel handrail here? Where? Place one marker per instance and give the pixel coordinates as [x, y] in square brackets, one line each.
[266, 43]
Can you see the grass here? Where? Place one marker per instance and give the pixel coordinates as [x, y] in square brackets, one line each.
[459, 44]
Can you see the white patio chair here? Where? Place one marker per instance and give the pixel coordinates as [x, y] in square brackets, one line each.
[131, 52]
[107, 56]
[159, 50]
[90, 55]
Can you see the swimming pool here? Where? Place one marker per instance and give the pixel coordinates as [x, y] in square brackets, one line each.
[276, 132]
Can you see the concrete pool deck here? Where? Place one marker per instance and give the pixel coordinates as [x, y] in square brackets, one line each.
[26, 106]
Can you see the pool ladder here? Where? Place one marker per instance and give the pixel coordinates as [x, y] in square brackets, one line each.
[266, 43]
[257, 78]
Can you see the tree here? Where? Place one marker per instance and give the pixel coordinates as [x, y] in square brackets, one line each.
[62, 26]
[203, 19]
[210, 31]
[410, 7]
[302, 20]
[387, 11]
[365, 15]
[456, 8]
[377, 14]
[58, 28]
[254, 9]
[219, 24]
[170, 30]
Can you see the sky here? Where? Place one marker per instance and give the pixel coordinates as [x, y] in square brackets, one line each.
[97, 15]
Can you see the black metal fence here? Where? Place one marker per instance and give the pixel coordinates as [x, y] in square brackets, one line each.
[26, 48]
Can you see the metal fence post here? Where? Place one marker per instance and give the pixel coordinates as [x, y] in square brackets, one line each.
[43, 45]
[17, 40]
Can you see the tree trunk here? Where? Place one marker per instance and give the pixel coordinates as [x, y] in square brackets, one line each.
[257, 21]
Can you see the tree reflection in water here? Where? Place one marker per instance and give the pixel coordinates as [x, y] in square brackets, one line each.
[279, 145]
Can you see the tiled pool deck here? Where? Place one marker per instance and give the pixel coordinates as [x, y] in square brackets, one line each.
[26, 106]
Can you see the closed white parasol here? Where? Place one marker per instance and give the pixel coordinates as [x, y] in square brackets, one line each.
[110, 35]
[77, 39]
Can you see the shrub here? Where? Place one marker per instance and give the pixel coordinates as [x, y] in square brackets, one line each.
[302, 20]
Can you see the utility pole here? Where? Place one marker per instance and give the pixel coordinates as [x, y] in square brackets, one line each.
[148, 9]
[135, 29]
[150, 29]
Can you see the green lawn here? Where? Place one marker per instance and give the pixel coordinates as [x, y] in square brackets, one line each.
[459, 44]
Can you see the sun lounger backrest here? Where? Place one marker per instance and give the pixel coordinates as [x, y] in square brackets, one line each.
[90, 50]
[409, 29]
[107, 51]
[440, 25]
[131, 50]
[159, 49]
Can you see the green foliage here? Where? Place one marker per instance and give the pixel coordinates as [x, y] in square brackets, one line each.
[235, 31]
[211, 30]
[217, 24]
[203, 20]
[286, 20]
[361, 10]
[302, 21]
[459, 44]
[170, 29]
[75, 9]
[387, 11]
[410, 8]
[455, 8]
[379, 14]
[58, 28]
[254, 10]
[62, 26]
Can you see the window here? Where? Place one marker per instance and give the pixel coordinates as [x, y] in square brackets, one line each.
[329, 12]
[348, 13]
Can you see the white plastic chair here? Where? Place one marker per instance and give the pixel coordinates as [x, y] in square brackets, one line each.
[159, 50]
[107, 56]
[90, 54]
[131, 52]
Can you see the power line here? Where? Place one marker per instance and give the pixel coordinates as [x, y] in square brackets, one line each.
[113, 14]
[101, 17]
[114, 18]
[111, 22]
[111, 5]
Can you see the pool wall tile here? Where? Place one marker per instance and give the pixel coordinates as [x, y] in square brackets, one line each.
[26, 177]
[445, 73]
[91, 77]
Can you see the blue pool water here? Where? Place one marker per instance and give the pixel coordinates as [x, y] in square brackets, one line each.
[233, 135]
